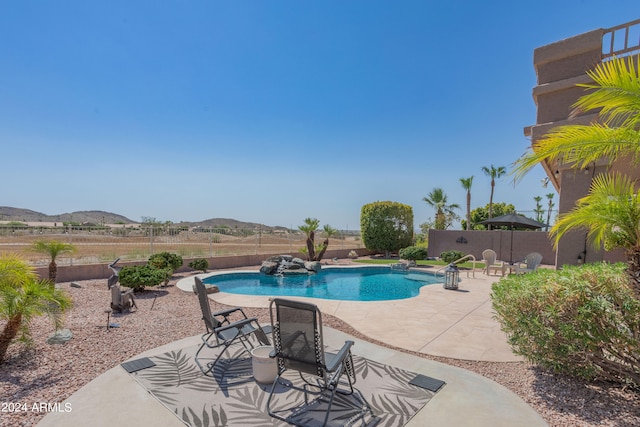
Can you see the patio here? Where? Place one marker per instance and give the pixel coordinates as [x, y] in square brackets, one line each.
[436, 322]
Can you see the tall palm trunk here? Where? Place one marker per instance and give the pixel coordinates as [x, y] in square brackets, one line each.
[633, 269]
[323, 249]
[468, 210]
[9, 332]
[311, 250]
[53, 271]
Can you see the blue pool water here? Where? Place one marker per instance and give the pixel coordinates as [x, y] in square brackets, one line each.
[350, 284]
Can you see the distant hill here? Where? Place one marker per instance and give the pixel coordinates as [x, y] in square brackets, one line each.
[100, 217]
[94, 217]
[231, 223]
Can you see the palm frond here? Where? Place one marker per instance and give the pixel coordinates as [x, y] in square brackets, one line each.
[580, 145]
[617, 92]
[610, 213]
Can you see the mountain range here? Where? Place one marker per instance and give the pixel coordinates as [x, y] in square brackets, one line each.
[101, 217]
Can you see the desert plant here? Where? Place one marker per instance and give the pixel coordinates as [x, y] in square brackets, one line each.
[199, 264]
[582, 321]
[328, 232]
[23, 297]
[413, 253]
[139, 277]
[451, 256]
[53, 248]
[166, 260]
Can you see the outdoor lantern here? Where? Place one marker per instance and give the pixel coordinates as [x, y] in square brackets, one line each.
[451, 275]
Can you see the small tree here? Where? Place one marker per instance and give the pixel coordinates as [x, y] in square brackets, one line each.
[539, 210]
[328, 231]
[445, 214]
[413, 253]
[309, 228]
[493, 172]
[550, 209]
[166, 260]
[23, 297]
[53, 248]
[482, 214]
[199, 264]
[139, 277]
[466, 184]
[386, 226]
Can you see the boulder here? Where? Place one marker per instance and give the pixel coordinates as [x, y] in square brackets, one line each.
[209, 289]
[269, 267]
[60, 337]
[314, 266]
[295, 272]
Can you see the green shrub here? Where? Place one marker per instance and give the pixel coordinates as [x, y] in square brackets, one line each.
[582, 321]
[166, 260]
[139, 277]
[450, 256]
[199, 264]
[413, 253]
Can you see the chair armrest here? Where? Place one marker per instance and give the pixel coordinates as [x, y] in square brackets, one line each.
[236, 325]
[225, 313]
[340, 356]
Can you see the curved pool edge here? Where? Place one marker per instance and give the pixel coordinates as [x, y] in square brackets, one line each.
[187, 284]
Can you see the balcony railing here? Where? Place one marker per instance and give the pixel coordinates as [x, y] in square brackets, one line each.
[622, 40]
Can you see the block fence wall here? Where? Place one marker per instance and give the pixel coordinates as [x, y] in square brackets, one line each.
[70, 273]
[507, 246]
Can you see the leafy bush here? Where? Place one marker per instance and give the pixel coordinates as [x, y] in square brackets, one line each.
[450, 256]
[139, 277]
[582, 321]
[413, 253]
[166, 260]
[386, 226]
[199, 264]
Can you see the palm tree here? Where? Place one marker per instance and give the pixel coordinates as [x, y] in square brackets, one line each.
[309, 228]
[53, 248]
[538, 210]
[444, 212]
[466, 184]
[610, 213]
[551, 205]
[23, 297]
[617, 93]
[494, 173]
[328, 232]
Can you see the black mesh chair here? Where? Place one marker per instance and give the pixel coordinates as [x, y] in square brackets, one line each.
[223, 332]
[298, 346]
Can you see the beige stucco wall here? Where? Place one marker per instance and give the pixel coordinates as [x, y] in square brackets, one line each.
[475, 241]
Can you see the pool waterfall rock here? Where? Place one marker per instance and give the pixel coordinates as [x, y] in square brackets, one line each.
[288, 265]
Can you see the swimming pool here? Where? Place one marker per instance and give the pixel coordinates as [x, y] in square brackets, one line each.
[349, 284]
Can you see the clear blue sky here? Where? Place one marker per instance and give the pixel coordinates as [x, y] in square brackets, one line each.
[271, 111]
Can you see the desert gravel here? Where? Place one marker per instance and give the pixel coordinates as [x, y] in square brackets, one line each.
[51, 373]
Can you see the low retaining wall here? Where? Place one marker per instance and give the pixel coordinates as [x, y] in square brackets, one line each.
[70, 273]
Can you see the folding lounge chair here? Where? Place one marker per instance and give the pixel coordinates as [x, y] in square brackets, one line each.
[531, 263]
[222, 332]
[122, 300]
[490, 263]
[298, 346]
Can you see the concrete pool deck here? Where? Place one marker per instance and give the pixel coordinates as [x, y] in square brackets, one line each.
[456, 324]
